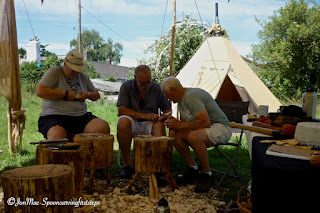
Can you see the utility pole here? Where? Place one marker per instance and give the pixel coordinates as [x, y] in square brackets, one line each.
[173, 34]
[79, 44]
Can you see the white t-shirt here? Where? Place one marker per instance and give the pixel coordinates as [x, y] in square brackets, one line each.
[55, 78]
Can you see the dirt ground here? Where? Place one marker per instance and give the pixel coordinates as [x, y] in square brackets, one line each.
[112, 198]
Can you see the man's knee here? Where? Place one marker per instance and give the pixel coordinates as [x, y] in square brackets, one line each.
[97, 125]
[124, 124]
[56, 132]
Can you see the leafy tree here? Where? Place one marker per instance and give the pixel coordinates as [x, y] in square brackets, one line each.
[290, 48]
[22, 51]
[189, 35]
[30, 73]
[100, 50]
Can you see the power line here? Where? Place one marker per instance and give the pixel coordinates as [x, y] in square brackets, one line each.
[164, 15]
[29, 18]
[110, 27]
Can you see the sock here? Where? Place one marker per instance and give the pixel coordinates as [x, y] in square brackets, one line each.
[209, 173]
[196, 167]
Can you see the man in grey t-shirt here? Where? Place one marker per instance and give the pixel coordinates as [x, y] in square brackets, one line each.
[202, 125]
[64, 91]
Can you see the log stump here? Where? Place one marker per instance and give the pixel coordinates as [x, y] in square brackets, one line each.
[153, 155]
[72, 158]
[28, 187]
[98, 152]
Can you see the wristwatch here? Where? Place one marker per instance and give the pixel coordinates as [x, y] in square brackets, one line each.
[66, 96]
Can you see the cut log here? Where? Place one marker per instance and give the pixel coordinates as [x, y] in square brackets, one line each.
[28, 188]
[73, 158]
[98, 152]
[153, 154]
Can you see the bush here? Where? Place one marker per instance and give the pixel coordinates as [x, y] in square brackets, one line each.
[30, 73]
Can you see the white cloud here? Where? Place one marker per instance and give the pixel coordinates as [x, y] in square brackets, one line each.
[243, 48]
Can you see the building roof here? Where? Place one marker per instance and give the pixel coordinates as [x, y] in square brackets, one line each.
[108, 70]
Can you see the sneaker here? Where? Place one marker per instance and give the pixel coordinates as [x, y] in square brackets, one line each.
[204, 183]
[161, 181]
[126, 173]
[190, 176]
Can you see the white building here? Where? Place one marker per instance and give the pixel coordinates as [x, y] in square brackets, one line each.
[33, 50]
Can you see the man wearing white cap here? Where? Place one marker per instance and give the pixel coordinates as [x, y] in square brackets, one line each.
[64, 91]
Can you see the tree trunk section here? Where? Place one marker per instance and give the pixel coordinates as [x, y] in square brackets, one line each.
[72, 158]
[34, 184]
[98, 152]
[98, 149]
[153, 154]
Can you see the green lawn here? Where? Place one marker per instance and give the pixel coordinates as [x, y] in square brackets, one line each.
[108, 111]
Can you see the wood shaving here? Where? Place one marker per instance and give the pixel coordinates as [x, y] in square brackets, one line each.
[114, 199]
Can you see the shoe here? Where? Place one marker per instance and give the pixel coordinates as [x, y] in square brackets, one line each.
[190, 176]
[161, 180]
[100, 174]
[204, 183]
[126, 173]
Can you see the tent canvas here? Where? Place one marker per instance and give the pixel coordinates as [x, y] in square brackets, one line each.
[217, 68]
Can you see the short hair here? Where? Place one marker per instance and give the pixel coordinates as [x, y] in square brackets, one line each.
[170, 82]
[142, 68]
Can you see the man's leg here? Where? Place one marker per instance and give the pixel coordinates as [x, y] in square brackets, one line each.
[158, 129]
[56, 132]
[97, 125]
[199, 142]
[182, 146]
[124, 136]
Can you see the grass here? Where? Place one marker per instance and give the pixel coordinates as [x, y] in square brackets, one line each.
[108, 111]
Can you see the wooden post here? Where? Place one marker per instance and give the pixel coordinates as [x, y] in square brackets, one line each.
[172, 36]
[34, 184]
[79, 42]
[73, 158]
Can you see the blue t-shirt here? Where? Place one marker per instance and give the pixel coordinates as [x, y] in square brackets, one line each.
[129, 97]
[195, 100]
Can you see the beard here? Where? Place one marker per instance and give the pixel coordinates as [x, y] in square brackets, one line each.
[144, 90]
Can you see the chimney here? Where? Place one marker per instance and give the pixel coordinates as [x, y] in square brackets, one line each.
[108, 61]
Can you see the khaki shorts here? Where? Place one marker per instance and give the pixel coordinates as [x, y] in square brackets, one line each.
[139, 128]
[219, 133]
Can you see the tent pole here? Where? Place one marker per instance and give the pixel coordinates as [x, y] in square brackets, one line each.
[173, 34]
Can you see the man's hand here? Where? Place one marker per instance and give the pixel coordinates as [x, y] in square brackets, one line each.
[164, 116]
[82, 96]
[151, 116]
[71, 95]
[172, 123]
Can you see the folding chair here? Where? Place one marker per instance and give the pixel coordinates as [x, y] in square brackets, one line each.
[234, 111]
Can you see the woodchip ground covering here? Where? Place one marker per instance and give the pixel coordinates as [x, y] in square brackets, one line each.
[113, 198]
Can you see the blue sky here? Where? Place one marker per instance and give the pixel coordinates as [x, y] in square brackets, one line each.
[55, 22]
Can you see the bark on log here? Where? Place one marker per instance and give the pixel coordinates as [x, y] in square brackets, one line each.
[72, 158]
[98, 149]
[98, 153]
[153, 154]
[32, 184]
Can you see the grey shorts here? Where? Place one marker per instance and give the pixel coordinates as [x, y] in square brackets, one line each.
[219, 133]
[139, 127]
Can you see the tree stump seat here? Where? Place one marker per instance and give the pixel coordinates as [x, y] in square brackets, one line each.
[33, 184]
[71, 157]
[153, 155]
[98, 153]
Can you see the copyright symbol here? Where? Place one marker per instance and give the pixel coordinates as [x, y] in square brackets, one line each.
[11, 201]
